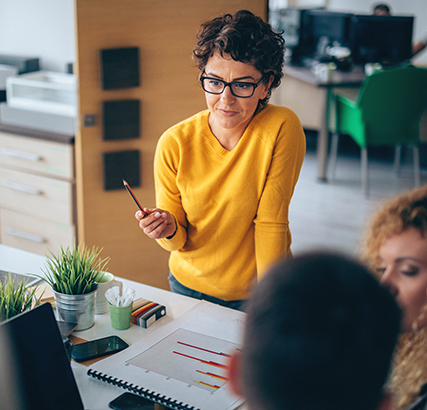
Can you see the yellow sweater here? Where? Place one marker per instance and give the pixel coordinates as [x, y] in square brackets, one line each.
[231, 207]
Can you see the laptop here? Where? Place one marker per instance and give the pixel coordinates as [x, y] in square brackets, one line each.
[45, 378]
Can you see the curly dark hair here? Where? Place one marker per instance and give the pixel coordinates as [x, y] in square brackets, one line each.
[246, 38]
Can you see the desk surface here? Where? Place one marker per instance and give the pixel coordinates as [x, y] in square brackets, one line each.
[96, 395]
[338, 78]
[16, 260]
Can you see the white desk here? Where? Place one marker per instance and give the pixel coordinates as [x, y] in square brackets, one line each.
[96, 395]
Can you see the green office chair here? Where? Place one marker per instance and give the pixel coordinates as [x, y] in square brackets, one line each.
[387, 112]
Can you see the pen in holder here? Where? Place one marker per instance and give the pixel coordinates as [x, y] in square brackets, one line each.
[120, 307]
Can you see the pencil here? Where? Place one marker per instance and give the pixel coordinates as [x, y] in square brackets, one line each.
[134, 197]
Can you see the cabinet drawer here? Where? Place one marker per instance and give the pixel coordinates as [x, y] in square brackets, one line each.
[34, 234]
[32, 154]
[38, 196]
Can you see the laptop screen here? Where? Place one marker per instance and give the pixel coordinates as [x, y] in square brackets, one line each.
[45, 378]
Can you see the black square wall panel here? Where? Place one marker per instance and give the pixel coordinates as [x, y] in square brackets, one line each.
[121, 165]
[120, 68]
[121, 119]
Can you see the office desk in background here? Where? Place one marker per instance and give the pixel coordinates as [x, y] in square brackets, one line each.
[96, 395]
[311, 98]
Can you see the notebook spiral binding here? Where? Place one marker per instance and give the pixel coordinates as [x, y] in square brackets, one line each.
[150, 395]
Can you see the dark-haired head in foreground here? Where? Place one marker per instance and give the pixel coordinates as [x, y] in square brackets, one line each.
[320, 334]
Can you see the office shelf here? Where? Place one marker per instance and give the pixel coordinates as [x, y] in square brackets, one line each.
[43, 91]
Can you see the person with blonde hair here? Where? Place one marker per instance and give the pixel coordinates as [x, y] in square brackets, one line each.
[395, 247]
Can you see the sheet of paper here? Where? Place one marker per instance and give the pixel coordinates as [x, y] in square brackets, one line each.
[186, 359]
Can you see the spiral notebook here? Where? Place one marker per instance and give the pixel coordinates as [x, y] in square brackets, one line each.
[183, 364]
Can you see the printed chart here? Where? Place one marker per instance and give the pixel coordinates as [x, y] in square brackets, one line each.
[193, 358]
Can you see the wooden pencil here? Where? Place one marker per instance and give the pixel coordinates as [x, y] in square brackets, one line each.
[134, 197]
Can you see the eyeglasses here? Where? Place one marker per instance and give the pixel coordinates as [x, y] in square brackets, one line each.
[239, 89]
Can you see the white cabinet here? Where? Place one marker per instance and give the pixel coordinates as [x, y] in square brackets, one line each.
[37, 193]
[44, 91]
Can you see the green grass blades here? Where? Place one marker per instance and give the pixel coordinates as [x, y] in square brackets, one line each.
[74, 271]
[16, 298]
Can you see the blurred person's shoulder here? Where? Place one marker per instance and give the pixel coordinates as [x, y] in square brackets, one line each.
[421, 401]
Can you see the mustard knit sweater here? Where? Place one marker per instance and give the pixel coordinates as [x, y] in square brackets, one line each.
[231, 207]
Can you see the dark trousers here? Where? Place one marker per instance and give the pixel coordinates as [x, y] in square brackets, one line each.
[177, 287]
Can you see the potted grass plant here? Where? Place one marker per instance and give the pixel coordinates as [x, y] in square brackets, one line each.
[16, 298]
[73, 275]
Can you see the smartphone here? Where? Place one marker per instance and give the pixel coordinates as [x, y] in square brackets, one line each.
[130, 401]
[97, 348]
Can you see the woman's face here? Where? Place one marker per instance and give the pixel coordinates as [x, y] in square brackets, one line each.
[230, 115]
[403, 260]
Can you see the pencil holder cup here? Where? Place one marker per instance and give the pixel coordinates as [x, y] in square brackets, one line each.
[120, 316]
[105, 281]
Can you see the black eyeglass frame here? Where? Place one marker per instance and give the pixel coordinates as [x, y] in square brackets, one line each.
[254, 86]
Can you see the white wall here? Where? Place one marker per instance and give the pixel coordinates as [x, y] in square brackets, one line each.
[39, 28]
[45, 28]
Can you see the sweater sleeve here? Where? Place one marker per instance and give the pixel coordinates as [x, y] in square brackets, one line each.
[272, 235]
[168, 197]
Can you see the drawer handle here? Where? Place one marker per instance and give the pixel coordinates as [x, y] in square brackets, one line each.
[20, 187]
[25, 235]
[21, 154]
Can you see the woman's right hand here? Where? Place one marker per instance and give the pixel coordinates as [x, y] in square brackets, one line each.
[157, 224]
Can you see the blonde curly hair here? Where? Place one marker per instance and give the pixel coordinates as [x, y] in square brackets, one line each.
[396, 216]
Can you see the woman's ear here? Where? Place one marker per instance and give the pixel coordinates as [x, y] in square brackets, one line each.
[267, 86]
[234, 371]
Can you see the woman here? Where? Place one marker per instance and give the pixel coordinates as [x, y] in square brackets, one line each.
[225, 177]
[396, 248]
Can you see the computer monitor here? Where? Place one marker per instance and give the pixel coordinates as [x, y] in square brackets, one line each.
[381, 39]
[326, 28]
[303, 28]
[329, 24]
[293, 24]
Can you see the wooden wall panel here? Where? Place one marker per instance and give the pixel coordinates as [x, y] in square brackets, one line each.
[165, 32]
